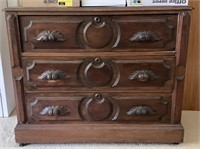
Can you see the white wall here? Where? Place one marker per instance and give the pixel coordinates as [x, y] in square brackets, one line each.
[7, 103]
[1, 108]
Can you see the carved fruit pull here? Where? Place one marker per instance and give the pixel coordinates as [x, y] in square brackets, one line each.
[143, 75]
[50, 36]
[53, 75]
[55, 111]
[145, 36]
[141, 110]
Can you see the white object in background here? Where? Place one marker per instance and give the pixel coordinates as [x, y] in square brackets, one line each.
[104, 3]
[13, 3]
[1, 107]
[7, 103]
[157, 2]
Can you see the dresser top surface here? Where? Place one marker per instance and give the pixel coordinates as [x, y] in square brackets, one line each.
[101, 9]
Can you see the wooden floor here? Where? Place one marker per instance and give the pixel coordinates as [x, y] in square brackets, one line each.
[191, 93]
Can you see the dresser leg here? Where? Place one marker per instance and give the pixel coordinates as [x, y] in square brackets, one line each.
[23, 144]
[176, 143]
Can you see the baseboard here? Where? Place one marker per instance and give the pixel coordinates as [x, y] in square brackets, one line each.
[99, 133]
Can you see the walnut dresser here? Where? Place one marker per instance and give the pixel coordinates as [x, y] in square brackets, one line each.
[98, 74]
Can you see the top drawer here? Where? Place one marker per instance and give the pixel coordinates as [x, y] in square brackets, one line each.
[98, 33]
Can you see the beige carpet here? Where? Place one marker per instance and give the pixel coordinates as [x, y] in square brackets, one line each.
[190, 121]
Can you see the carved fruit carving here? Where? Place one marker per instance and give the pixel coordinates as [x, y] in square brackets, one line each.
[99, 108]
[52, 75]
[143, 75]
[145, 36]
[55, 111]
[141, 110]
[50, 36]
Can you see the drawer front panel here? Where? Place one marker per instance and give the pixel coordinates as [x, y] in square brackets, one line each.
[134, 73]
[97, 107]
[98, 33]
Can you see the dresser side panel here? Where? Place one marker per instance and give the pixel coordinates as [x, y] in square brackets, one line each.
[15, 54]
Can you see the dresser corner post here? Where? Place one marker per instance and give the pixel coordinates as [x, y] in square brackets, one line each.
[183, 28]
[16, 64]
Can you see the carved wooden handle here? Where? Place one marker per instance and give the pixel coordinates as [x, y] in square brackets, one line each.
[55, 111]
[141, 110]
[53, 75]
[50, 36]
[143, 75]
[145, 36]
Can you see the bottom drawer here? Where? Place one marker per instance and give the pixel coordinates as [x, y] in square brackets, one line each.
[98, 107]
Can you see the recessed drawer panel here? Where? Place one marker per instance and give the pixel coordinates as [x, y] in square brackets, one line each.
[98, 107]
[148, 73]
[148, 33]
[126, 107]
[98, 33]
[52, 108]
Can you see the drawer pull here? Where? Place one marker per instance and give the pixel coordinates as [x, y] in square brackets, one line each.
[145, 36]
[143, 75]
[99, 108]
[141, 111]
[97, 20]
[98, 97]
[55, 111]
[99, 72]
[53, 75]
[50, 36]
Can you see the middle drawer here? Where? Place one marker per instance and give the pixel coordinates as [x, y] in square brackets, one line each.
[132, 73]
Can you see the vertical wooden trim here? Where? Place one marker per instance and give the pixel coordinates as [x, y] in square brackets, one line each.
[181, 55]
[15, 50]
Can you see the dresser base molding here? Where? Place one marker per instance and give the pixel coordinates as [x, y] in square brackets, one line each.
[99, 133]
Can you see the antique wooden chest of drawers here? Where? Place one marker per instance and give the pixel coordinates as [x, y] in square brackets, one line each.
[98, 74]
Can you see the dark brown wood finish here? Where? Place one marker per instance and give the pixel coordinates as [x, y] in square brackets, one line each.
[97, 74]
[98, 107]
[181, 54]
[99, 133]
[112, 72]
[14, 44]
[98, 33]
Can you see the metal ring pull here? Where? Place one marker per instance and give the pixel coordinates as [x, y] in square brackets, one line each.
[97, 20]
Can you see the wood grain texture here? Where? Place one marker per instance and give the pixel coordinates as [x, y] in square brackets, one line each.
[111, 33]
[191, 91]
[97, 133]
[13, 37]
[131, 87]
[98, 107]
